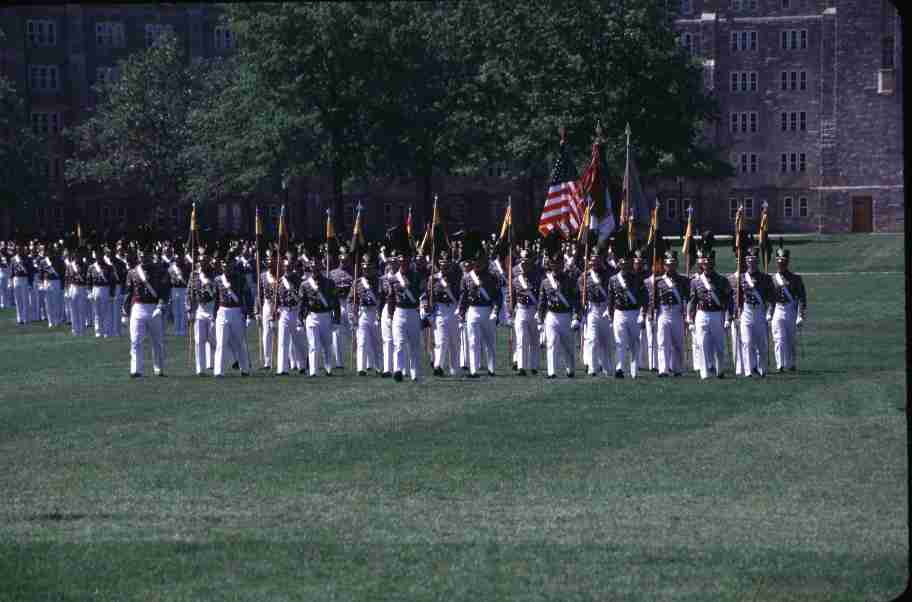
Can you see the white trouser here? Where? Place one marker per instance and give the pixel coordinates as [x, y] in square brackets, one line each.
[482, 337]
[21, 298]
[463, 345]
[711, 335]
[79, 309]
[446, 338]
[753, 339]
[53, 299]
[116, 309]
[203, 339]
[101, 310]
[230, 335]
[179, 310]
[386, 334]
[267, 333]
[68, 305]
[319, 341]
[652, 342]
[341, 335]
[598, 340]
[670, 340]
[4, 288]
[289, 338]
[627, 340]
[35, 309]
[407, 342]
[526, 341]
[785, 334]
[368, 340]
[559, 342]
[142, 323]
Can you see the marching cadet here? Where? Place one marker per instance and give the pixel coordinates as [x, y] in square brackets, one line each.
[466, 267]
[79, 286]
[479, 308]
[234, 307]
[102, 281]
[390, 266]
[647, 352]
[444, 315]
[672, 292]
[318, 311]
[146, 297]
[404, 289]
[756, 295]
[709, 311]
[5, 283]
[179, 269]
[558, 311]
[39, 292]
[598, 339]
[267, 313]
[35, 292]
[526, 285]
[23, 277]
[365, 298]
[119, 263]
[290, 347]
[201, 298]
[789, 313]
[52, 270]
[341, 335]
[627, 298]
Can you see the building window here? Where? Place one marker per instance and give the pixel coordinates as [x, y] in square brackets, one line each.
[734, 123]
[804, 80]
[744, 81]
[753, 162]
[786, 4]
[236, 214]
[690, 42]
[793, 121]
[804, 39]
[155, 31]
[793, 161]
[748, 207]
[44, 78]
[795, 39]
[753, 121]
[223, 217]
[794, 80]
[744, 122]
[732, 208]
[46, 124]
[109, 35]
[802, 206]
[784, 164]
[788, 208]
[224, 38]
[671, 209]
[41, 32]
[735, 4]
[887, 53]
[802, 121]
[106, 75]
[784, 116]
[785, 81]
[686, 7]
[742, 41]
[743, 162]
[802, 162]
[734, 81]
[747, 162]
[753, 81]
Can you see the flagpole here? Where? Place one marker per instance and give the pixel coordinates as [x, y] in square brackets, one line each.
[258, 240]
[510, 271]
[326, 259]
[653, 349]
[190, 290]
[430, 284]
[738, 356]
[275, 293]
[354, 310]
[688, 240]
[625, 209]
[586, 219]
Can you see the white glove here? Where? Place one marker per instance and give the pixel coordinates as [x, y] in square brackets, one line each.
[299, 328]
[508, 322]
[692, 328]
[574, 324]
[798, 322]
[493, 316]
[377, 323]
[769, 316]
[606, 314]
[641, 321]
[538, 319]
[248, 322]
[123, 319]
[156, 312]
[726, 324]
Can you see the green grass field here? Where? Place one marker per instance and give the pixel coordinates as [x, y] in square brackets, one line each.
[347, 488]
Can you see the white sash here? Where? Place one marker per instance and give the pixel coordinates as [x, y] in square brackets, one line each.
[673, 288]
[557, 290]
[177, 272]
[270, 278]
[142, 276]
[50, 267]
[525, 285]
[368, 292]
[481, 289]
[107, 260]
[753, 290]
[204, 280]
[405, 288]
[598, 283]
[711, 290]
[446, 287]
[286, 283]
[785, 289]
[227, 285]
[630, 296]
[313, 284]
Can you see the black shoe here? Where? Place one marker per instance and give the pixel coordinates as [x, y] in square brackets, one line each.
[135, 375]
[385, 375]
[264, 368]
[491, 373]
[162, 375]
[781, 370]
[245, 374]
[362, 373]
[473, 376]
[619, 374]
[586, 367]
[340, 367]
[438, 371]
[677, 374]
[235, 366]
[593, 374]
[571, 374]
[329, 373]
[550, 377]
[534, 371]
[515, 367]
[721, 375]
[521, 372]
[663, 375]
[793, 369]
[202, 374]
[302, 371]
[281, 373]
[397, 377]
[465, 368]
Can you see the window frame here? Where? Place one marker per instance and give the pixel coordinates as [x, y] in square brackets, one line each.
[41, 33]
[803, 207]
[110, 34]
[749, 206]
[788, 207]
[733, 205]
[671, 209]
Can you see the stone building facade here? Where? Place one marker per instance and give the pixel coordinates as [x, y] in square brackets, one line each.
[810, 93]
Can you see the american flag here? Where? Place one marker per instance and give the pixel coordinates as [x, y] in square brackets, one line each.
[564, 208]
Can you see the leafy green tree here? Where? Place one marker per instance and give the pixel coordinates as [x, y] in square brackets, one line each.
[137, 138]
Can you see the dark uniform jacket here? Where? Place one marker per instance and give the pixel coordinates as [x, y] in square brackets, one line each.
[564, 298]
[101, 274]
[445, 288]
[407, 296]
[794, 285]
[232, 291]
[761, 292]
[367, 291]
[321, 299]
[483, 293]
[343, 281]
[665, 293]
[717, 296]
[596, 291]
[202, 291]
[526, 286]
[154, 289]
[627, 291]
